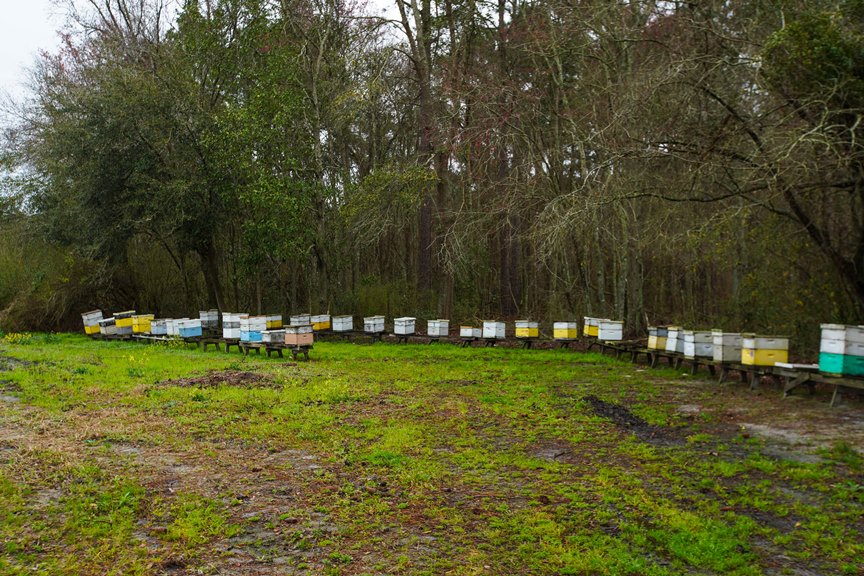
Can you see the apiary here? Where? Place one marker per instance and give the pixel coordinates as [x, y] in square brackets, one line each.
[438, 328]
[565, 330]
[373, 324]
[610, 330]
[657, 336]
[698, 344]
[231, 324]
[190, 328]
[300, 319]
[841, 350]
[141, 323]
[107, 327]
[470, 332]
[591, 327]
[91, 321]
[251, 328]
[159, 327]
[493, 329]
[404, 326]
[273, 336]
[123, 321]
[274, 321]
[299, 335]
[672, 335]
[527, 329]
[727, 346]
[343, 323]
[209, 319]
[320, 322]
[763, 350]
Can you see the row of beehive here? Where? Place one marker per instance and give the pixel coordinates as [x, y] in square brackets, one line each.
[749, 349]
[233, 326]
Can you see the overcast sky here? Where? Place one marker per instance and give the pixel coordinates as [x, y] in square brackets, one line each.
[26, 27]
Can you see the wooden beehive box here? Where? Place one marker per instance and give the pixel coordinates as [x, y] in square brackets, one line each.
[299, 335]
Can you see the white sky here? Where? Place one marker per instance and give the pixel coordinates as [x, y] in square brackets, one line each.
[26, 27]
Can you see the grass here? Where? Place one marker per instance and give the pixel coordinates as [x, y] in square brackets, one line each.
[389, 459]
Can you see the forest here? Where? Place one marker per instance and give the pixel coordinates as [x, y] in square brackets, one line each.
[651, 161]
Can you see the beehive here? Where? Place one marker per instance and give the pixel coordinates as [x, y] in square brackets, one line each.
[123, 321]
[438, 328]
[373, 324]
[191, 328]
[209, 319]
[494, 329]
[231, 324]
[527, 329]
[591, 328]
[470, 332]
[159, 327]
[251, 328]
[698, 344]
[273, 336]
[274, 321]
[320, 322]
[657, 336]
[610, 330]
[141, 323]
[343, 323]
[672, 335]
[301, 319]
[91, 321]
[404, 326]
[764, 350]
[841, 350]
[565, 330]
[108, 327]
[173, 326]
[299, 335]
[727, 346]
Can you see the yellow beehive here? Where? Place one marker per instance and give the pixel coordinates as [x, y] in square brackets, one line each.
[592, 327]
[565, 330]
[274, 321]
[124, 319]
[763, 350]
[657, 342]
[91, 329]
[141, 323]
[320, 322]
[527, 329]
[751, 357]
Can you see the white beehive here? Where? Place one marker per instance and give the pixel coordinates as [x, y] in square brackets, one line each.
[840, 339]
[672, 335]
[301, 319]
[190, 328]
[343, 323]
[404, 326]
[727, 346]
[373, 324]
[159, 327]
[91, 321]
[470, 332]
[493, 329]
[698, 344]
[610, 330]
[209, 318]
[438, 328]
[173, 326]
[273, 336]
[107, 327]
[253, 324]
